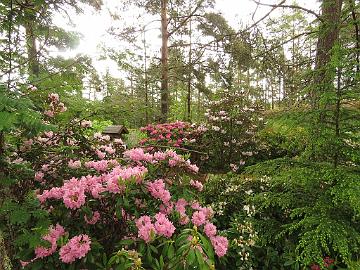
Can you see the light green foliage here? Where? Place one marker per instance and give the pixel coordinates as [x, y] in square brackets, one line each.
[134, 137]
[304, 202]
[17, 111]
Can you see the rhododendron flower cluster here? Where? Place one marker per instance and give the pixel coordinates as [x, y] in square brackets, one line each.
[138, 155]
[73, 192]
[175, 134]
[220, 244]
[95, 218]
[53, 235]
[146, 230]
[157, 190]
[163, 226]
[76, 248]
[55, 105]
[74, 164]
[67, 154]
[41, 252]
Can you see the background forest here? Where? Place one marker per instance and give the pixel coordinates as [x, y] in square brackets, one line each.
[243, 150]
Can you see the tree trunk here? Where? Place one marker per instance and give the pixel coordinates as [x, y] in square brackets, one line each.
[328, 36]
[33, 61]
[146, 83]
[164, 63]
[189, 75]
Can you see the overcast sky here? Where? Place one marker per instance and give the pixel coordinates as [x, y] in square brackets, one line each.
[93, 26]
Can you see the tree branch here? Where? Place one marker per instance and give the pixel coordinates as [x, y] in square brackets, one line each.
[290, 6]
[186, 19]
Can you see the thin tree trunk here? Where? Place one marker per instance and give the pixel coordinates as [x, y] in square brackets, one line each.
[357, 33]
[164, 63]
[189, 75]
[337, 115]
[328, 36]
[33, 61]
[146, 83]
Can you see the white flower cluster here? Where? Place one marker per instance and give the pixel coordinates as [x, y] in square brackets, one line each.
[245, 241]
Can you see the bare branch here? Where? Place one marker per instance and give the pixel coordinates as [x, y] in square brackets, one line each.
[290, 6]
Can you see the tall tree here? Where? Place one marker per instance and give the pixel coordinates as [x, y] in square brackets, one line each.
[328, 37]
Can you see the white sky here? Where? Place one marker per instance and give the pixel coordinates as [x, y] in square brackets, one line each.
[93, 26]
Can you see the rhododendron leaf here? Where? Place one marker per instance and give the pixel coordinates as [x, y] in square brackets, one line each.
[154, 249]
[191, 257]
[111, 260]
[126, 242]
[183, 248]
[104, 259]
[171, 251]
[149, 258]
[207, 246]
[199, 257]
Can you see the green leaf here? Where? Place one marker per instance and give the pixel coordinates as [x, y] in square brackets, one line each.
[171, 251]
[19, 216]
[191, 257]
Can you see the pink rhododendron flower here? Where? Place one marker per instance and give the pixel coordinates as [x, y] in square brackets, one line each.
[160, 156]
[76, 248]
[198, 218]
[193, 168]
[39, 176]
[54, 97]
[220, 245]
[23, 263]
[163, 226]
[53, 235]
[158, 191]
[100, 154]
[184, 219]
[74, 194]
[180, 206]
[145, 228]
[166, 208]
[118, 141]
[95, 218]
[49, 134]
[86, 124]
[45, 167]
[138, 154]
[74, 164]
[110, 150]
[195, 205]
[49, 113]
[210, 229]
[197, 185]
[97, 135]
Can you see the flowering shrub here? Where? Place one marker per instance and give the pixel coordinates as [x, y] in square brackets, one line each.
[232, 123]
[97, 207]
[116, 207]
[177, 134]
[327, 262]
[227, 141]
[228, 196]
